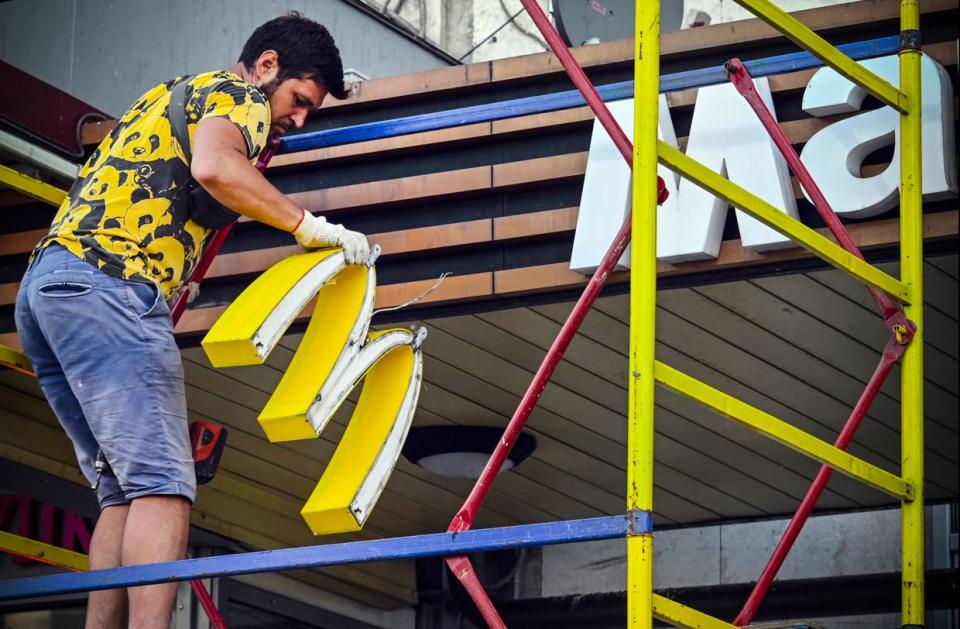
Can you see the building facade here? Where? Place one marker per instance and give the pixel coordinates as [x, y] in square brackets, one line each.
[505, 207]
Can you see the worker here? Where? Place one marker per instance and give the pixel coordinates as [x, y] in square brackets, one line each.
[93, 307]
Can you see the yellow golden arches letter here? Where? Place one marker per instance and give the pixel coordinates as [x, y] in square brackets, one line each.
[335, 354]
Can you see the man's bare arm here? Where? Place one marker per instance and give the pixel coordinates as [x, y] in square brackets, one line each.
[220, 165]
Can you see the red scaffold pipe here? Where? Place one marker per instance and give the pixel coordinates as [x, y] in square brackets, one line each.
[460, 565]
[902, 331]
[580, 80]
[464, 518]
[216, 242]
[892, 314]
[206, 601]
[461, 568]
[891, 354]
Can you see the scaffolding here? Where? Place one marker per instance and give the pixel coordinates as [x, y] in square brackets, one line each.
[906, 325]
[900, 302]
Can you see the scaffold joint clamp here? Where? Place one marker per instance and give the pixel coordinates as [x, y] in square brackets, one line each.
[909, 40]
[639, 522]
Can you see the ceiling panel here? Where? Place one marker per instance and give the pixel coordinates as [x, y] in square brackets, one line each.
[799, 346]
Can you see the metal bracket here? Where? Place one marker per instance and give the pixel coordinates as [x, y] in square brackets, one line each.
[639, 522]
[420, 335]
[909, 40]
[374, 255]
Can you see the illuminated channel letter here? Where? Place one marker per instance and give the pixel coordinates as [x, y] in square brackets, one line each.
[336, 353]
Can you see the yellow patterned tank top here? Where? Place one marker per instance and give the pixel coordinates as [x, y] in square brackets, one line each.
[128, 212]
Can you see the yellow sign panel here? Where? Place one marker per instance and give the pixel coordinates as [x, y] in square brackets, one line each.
[336, 353]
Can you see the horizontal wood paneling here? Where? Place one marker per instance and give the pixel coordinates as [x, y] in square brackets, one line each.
[391, 243]
[732, 255]
[453, 288]
[528, 172]
[548, 222]
[418, 187]
[547, 277]
[944, 52]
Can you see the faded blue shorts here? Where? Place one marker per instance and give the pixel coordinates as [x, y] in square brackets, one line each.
[104, 354]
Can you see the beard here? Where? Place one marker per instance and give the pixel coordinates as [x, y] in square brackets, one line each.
[270, 87]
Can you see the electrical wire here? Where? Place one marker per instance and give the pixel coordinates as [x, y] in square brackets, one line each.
[422, 9]
[510, 20]
[422, 295]
[524, 31]
[487, 38]
[511, 573]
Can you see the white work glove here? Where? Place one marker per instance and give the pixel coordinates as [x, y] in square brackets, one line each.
[314, 232]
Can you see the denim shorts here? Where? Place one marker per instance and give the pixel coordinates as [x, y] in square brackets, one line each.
[104, 354]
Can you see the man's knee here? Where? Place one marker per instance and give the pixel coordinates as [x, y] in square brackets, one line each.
[157, 529]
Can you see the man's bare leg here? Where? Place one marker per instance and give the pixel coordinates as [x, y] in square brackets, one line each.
[156, 530]
[107, 609]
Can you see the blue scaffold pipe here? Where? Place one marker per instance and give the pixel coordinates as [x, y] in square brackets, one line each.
[564, 100]
[413, 547]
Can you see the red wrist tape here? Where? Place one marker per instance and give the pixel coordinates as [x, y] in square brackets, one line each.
[303, 213]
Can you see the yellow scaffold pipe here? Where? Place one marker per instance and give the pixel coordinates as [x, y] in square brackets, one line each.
[32, 187]
[782, 432]
[680, 615]
[643, 308]
[801, 35]
[15, 359]
[47, 553]
[911, 272]
[808, 238]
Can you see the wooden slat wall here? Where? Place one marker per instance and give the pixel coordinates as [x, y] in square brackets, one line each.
[463, 182]
[528, 173]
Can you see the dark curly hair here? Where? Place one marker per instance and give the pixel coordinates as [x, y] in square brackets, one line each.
[305, 48]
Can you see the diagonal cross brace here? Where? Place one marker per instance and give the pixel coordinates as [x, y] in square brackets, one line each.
[460, 564]
[902, 331]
